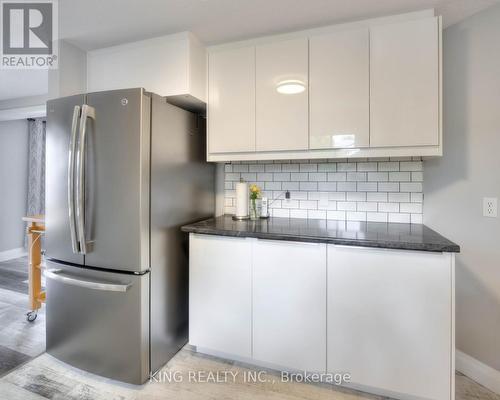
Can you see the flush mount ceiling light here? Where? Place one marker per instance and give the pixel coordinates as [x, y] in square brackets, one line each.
[291, 86]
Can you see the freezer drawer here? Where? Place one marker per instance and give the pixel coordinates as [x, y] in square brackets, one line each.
[99, 321]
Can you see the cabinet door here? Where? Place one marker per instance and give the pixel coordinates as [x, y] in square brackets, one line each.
[231, 100]
[404, 76]
[390, 319]
[339, 89]
[282, 118]
[220, 294]
[289, 304]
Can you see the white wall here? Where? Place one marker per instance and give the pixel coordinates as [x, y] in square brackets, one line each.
[13, 182]
[470, 170]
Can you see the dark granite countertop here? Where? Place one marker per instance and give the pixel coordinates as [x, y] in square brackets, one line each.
[365, 234]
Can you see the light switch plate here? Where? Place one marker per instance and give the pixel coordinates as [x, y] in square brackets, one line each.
[490, 207]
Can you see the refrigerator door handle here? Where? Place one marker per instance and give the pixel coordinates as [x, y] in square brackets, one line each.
[59, 276]
[71, 180]
[87, 112]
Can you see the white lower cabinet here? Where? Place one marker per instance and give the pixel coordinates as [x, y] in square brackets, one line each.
[384, 316]
[390, 321]
[289, 304]
[220, 294]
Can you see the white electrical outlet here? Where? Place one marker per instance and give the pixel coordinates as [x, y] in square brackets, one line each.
[490, 207]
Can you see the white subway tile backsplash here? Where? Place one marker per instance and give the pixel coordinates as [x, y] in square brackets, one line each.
[356, 196]
[399, 176]
[339, 196]
[317, 176]
[416, 197]
[346, 205]
[388, 207]
[337, 176]
[379, 196]
[300, 195]
[273, 186]
[411, 187]
[346, 167]
[240, 168]
[399, 217]
[308, 167]
[346, 186]
[265, 177]
[367, 166]
[411, 166]
[290, 203]
[298, 213]
[232, 176]
[290, 168]
[356, 176]
[378, 176]
[417, 176]
[273, 167]
[388, 166]
[415, 208]
[280, 213]
[316, 214]
[299, 176]
[327, 167]
[249, 176]
[367, 186]
[337, 215]
[281, 176]
[388, 186]
[308, 204]
[256, 168]
[366, 206]
[375, 190]
[290, 186]
[356, 216]
[308, 185]
[376, 217]
[399, 197]
[327, 186]
[416, 218]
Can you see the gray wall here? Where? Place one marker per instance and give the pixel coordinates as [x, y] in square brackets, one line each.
[13, 182]
[470, 170]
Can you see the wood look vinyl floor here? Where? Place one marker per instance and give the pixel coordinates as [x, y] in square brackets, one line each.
[34, 375]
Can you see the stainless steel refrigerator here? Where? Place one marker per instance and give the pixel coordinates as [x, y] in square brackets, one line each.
[125, 170]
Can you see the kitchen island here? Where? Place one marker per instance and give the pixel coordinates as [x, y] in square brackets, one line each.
[373, 300]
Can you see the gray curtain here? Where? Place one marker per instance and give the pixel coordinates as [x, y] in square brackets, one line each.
[36, 167]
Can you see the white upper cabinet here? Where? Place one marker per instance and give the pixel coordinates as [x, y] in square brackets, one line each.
[339, 89]
[282, 95]
[366, 89]
[404, 76]
[231, 100]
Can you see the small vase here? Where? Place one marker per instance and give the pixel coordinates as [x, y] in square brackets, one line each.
[255, 209]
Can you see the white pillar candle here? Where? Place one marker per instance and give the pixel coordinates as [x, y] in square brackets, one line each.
[242, 199]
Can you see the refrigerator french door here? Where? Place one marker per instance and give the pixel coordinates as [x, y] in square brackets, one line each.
[125, 170]
[97, 242]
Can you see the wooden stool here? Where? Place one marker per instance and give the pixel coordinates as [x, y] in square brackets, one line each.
[35, 230]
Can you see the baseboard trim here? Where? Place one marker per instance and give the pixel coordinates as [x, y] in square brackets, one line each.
[11, 254]
[478, 371]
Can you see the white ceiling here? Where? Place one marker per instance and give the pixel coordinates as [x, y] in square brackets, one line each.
[22, 83]
[92, 24]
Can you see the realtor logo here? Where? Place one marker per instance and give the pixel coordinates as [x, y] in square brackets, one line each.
[29, 31]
